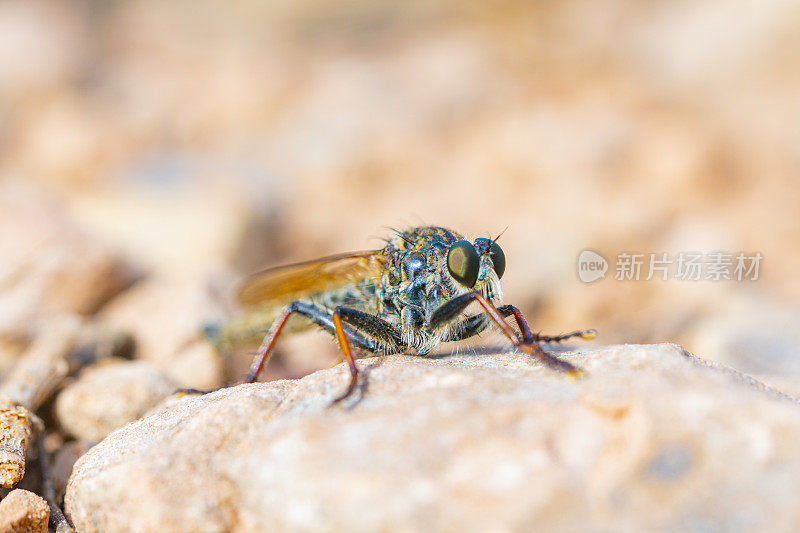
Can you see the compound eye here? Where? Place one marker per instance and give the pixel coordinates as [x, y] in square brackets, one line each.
[495, 254]
[498, 259]
[463, 262]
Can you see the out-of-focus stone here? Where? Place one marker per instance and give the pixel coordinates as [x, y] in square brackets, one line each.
[62, 462]
[165, 316]
[27, 387]
[757, 335]
[110, 395]
[47, 265]
[44, 364]
[16, 427]
[23, 512]
[652, 438]
[50, 33]
[10, 350]
[175, 224]
[197, 366]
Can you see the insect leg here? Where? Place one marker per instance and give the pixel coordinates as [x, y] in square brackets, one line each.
[265, 350]
[451, 309]
[468, 327]
[370, 324]
[322, 317]
[586, 334]
[474, 324]
[507, 310]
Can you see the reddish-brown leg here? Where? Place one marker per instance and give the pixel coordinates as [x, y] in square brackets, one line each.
[452, 309]
[506, 310]
[373, 326]
[531, 348]
[265, 350]
[521, 322]
[585, 334]
[267, 345]
[344, 344]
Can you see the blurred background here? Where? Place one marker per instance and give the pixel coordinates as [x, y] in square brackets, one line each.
[152, 153]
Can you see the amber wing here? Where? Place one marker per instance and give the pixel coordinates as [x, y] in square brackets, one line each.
[284, 284]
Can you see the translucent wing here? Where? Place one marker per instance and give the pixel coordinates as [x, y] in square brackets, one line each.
[284, 284]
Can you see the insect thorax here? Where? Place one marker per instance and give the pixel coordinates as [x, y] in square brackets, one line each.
[415, 283]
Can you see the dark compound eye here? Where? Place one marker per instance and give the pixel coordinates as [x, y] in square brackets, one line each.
[464, 262]
[498, 259]
[495, 253]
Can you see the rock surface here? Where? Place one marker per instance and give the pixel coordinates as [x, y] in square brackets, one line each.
[109, 396]
[23, 512]
[63, 461]
[653, 438]
[48, 266]
[166, 317]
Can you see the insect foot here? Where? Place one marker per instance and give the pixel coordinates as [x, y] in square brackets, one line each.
[351, 387]
[551, 361]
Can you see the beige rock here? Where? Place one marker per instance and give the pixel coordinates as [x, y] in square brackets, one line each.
[165, 316]
[23, 512]
[197, 366]
[16, 428]
[62, 462]
[652, 439]
[757, 335]
[50, 34]
[28, 386]
[10, 350]
[192, 227]
[110, 395]
[47, 265]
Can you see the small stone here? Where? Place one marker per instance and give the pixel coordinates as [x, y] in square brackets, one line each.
[23, 511]
[52, 37]
[109, 396]
[48, 266]
[62, 462]
[164, 315]
[10, 351]
[198, 366]
[652, 438]
[15, 434]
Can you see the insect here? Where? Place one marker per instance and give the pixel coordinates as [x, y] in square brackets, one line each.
[406, 297]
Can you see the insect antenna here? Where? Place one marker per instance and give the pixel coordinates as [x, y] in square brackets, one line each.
[496, 238]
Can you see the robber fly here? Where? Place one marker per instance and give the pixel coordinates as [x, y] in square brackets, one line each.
[406, 297]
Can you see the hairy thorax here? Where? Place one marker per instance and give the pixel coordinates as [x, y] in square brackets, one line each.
[417, 282]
